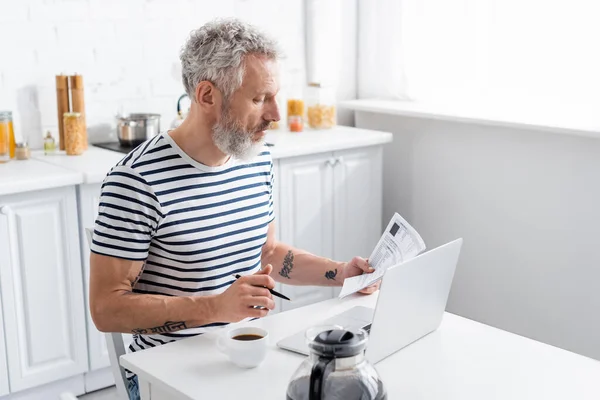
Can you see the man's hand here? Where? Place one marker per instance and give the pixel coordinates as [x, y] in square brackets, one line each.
[238, 301]
[359, 266]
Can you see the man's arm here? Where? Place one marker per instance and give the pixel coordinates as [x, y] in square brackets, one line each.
[298, 267]
[116, 308]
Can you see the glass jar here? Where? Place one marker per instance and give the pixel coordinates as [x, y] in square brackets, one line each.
[320, 102]
[295, 112]
[74, 134]
[22, 151]
[295, 123]
[7, 136]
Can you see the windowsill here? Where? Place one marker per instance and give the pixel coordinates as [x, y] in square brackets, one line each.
[569, 119]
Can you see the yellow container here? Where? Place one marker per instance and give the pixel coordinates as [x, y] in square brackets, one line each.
[7, 136]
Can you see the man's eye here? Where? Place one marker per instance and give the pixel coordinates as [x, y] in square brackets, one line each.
[259, 100]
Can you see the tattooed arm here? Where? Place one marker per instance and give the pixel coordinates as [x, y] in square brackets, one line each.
[116, 308]
[298, 267]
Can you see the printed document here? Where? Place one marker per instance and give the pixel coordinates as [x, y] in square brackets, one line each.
[400, 242]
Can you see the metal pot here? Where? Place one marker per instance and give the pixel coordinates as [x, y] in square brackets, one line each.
[134, 129]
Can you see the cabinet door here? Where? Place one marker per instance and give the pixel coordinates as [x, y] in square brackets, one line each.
[89, 197]
[357, 207]
[4, 389]
[306, 214]
[42, 288]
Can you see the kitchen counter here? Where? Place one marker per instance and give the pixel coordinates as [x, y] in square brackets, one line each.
[57, 170]
[28, 175]
[95, 163]
[92, 166]
[289, 144]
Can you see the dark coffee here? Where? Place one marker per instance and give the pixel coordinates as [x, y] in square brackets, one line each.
[347, 388]
[247, 337]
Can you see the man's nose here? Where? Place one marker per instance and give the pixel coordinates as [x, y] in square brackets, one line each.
[272, 114]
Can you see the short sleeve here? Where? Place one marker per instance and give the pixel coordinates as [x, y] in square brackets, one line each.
[128, 216]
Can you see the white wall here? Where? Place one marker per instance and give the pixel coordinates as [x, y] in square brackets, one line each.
[526, 204]
[127, 52]
[347, 81]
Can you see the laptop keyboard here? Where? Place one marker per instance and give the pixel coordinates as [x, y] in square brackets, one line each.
[367, 328]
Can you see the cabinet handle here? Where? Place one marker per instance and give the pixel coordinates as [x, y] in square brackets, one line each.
[330, 162]
[5, 210]
[338, 160]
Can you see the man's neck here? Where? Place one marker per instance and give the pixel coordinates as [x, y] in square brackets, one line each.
[196, 141]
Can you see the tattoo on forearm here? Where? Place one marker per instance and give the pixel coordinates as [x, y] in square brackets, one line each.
[331, 274]
[288, 264]
[169, 326]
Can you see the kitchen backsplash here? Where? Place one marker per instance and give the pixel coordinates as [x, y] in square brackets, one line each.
[127, 52]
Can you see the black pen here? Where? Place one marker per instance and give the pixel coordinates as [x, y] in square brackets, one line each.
[274, 293]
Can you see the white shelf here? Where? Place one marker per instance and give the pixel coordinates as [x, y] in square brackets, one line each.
[569, 119]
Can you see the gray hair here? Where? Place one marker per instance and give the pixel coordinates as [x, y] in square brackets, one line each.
[216, 51]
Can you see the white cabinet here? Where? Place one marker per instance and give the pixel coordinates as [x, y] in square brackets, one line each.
[4, 389]
[306, 199]
[88, 199]
[331, 206]
[41, 285]
[357, 176]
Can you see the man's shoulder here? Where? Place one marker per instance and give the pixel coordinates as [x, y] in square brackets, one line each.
[146, 159]
[152, 154]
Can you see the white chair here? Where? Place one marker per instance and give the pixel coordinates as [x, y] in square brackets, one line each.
[116, 348]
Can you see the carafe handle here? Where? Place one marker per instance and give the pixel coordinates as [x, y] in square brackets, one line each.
[317, 377]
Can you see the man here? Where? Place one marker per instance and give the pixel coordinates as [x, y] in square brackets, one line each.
[186, 211]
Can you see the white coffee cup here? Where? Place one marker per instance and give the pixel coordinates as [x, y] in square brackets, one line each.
[244, 353]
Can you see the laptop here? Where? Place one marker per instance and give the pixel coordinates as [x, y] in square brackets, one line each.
[411, 304]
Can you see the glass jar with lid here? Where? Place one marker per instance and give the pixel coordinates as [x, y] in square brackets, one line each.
[74, 135]
[7, 136]
[320, 110]
[22, 151]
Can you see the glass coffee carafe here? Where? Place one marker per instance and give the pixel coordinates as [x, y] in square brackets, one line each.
[336, 368]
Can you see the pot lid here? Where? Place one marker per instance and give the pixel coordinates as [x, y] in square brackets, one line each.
[339, 343]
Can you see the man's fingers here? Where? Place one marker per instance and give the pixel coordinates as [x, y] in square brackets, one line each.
[371, 289]
[260, 280]
[267, 269]
[259, 291]
[262, 301]
[362, 264]
[368, 290]
[257, 312]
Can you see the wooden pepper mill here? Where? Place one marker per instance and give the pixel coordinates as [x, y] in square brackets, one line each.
[62, 105]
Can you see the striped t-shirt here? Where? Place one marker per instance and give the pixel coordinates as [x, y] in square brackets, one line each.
[194, 226]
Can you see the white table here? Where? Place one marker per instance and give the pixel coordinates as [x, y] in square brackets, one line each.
[462, 360]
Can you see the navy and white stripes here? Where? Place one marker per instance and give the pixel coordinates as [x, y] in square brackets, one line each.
[193, 226]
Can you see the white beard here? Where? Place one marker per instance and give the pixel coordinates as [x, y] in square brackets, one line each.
[234, 140]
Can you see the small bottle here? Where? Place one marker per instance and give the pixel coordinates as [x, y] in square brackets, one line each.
[49, 144]
[22, 151]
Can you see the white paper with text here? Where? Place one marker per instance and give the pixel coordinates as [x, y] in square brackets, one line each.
[400, 242]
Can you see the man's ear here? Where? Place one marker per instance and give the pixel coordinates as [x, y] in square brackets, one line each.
[207, 95]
